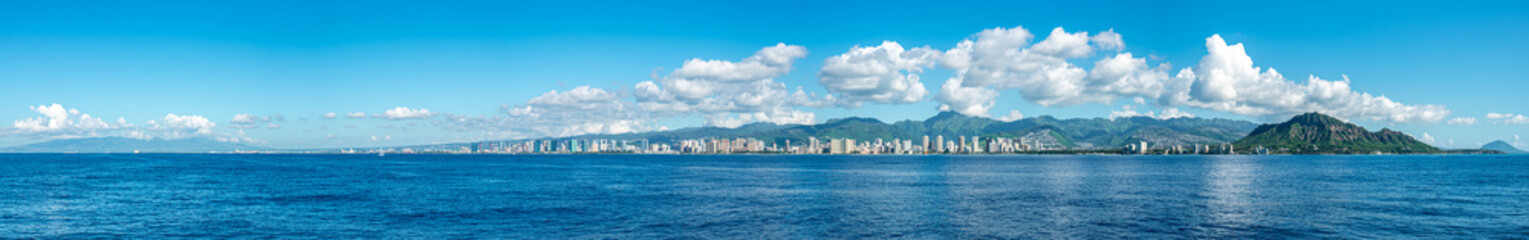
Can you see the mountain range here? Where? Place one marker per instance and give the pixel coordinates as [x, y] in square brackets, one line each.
[128, 145]
[1310, 133]
[1077, 133]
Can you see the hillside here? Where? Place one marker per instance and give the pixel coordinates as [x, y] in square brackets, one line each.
[1504, 147]
[128, 145]
[1314, 133]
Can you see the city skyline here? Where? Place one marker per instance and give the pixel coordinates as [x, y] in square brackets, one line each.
[338, 75]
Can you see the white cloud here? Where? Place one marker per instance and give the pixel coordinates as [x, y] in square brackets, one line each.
[355, 115]
[1465, 121]
[59, 121]
[715, 88]
[1109, 40]
[971, 101]
[582, 97]
[406, 113]
[725, 93]
[181, 126]
[882, 74]
[1128, 111]
[1172, 113]
[780, 117]
[1426, 138]
[999, 59]
[1226, 80]
[717, 80]
[331, 115]
[579, 111]
[1013, 115]
[1066, 45]
[247, 121]
[1509, 118]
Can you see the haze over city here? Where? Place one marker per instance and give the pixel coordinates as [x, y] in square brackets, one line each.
[300, 74]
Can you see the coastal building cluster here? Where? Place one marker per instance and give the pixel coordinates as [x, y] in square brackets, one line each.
[813, 145]
[1144, 148]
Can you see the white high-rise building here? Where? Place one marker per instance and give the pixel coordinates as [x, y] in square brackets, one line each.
[925, 149]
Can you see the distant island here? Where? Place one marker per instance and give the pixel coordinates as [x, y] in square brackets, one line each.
[1504, 147]
[132, 145]
[945, 133]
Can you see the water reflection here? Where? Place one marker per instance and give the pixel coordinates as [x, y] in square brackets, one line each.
[1229, 191]
[1062, 178]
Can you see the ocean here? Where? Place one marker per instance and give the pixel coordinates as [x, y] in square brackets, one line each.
[761, 196]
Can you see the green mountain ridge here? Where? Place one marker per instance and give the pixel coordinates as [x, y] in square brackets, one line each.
[1315, 133]
[1078, 133]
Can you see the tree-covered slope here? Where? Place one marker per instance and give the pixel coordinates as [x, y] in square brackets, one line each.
[1314, 133]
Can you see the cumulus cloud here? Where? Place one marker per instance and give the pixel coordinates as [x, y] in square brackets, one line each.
[355, 115]
[1226, 80]
[1001, 59]
[1426, 138]
[1172, 113]
[1465, 121]
[248, 121]
[1062, 44]
[1519, 119]
[714, 88]
[331, 115]
[173, 126]
[883, 74]
[582, 97]
[1508, 118]
[972, 101]
[783, 117]
[724, 93]
[731, 84]
[406, 113]
[1129, 111]
[579, 111]
[1013, 115]
[1109, 40]
[57, 121]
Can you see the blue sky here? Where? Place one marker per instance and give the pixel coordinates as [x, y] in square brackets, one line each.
[478, 67]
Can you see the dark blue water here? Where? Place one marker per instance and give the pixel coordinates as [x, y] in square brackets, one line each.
[614, 196]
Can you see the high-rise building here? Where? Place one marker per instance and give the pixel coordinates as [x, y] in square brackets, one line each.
[939, 144]
[925, 149]
[976, 144]
[961, 146]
